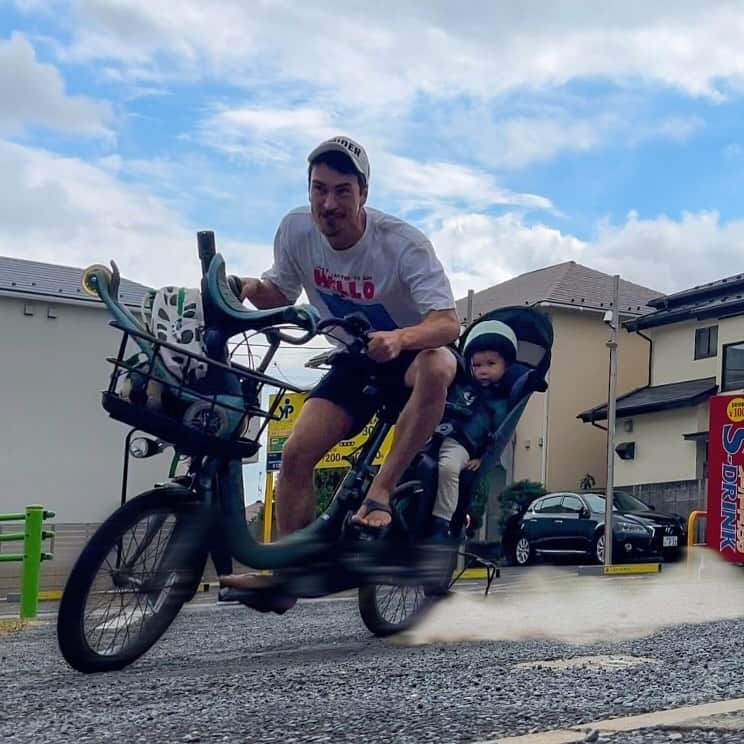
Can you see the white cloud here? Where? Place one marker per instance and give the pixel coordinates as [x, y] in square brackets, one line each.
[315, 69]
[664, 254]
[479, 250]
[434, 185]
[33, 94]
[484, 49]
[519, 141]
[265, 134]
[63, 210]
[677, 129]
[668, 254]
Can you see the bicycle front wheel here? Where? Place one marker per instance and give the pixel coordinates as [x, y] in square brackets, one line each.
[131, 579]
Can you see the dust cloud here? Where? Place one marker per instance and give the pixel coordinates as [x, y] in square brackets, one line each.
[548, 603]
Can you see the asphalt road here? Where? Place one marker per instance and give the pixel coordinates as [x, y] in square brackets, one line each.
[225, 673]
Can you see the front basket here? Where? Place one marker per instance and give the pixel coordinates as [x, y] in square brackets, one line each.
[218, 414]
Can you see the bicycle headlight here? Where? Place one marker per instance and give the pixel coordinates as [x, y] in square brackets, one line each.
[141, 447]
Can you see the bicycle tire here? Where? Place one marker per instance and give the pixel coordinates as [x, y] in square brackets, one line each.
[372, 605]
[373, 616]
[186, 561]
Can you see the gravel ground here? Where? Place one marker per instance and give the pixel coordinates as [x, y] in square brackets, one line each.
[224, 673]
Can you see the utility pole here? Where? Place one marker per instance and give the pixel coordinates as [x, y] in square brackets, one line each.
[469, 314]
[609, 491]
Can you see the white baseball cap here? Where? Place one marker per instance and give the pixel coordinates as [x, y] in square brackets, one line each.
[347, 146]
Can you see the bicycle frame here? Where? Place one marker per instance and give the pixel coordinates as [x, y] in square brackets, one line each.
[220, 484]
[217, 481]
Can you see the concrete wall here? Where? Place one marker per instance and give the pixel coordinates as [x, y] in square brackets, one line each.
[680, 497]
[674, 350]
[661, 454]
[579, 380]
[667, 469]
[58, 447]
[528, 450]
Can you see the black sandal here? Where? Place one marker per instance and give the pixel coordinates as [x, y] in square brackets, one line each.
[373, 506]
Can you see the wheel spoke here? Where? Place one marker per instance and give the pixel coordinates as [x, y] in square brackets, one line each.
[118, 605]
[397, 603]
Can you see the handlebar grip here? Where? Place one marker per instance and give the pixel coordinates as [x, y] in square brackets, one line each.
[236, 286]
[207, 249]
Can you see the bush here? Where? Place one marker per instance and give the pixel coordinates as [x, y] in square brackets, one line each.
[477, 508]
[325, 483]
[514, 498]
[520, 494]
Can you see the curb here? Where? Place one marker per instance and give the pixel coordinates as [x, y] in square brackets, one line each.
[676, 717]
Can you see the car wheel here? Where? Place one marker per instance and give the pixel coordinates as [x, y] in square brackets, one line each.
[523, 552]
[598, 548]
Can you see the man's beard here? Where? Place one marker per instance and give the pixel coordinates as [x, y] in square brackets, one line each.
[331, 224]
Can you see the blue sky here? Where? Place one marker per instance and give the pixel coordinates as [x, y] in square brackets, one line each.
[516, 135]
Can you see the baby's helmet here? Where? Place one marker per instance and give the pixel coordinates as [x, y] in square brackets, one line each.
[492, 335]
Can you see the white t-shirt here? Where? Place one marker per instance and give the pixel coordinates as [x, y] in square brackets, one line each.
[391, 274]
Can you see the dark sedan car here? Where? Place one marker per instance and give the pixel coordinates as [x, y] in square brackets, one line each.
[670, 530]
[572, 524]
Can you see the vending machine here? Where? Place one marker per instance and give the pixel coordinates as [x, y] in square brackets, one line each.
[725, 508]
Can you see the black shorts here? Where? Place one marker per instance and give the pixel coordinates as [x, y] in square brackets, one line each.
[345, 383]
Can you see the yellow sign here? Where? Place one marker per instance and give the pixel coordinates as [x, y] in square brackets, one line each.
[735, 410]
[632, 568]
[287, 412]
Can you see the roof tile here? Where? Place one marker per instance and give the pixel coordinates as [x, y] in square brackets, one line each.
[655, 398]
[567, 283]
[51, 280]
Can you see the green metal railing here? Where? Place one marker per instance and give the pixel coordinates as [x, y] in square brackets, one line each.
[33, 536]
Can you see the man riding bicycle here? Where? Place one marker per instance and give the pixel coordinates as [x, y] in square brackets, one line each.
[352, 258]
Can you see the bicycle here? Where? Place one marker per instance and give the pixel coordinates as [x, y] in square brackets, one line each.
[146, 560]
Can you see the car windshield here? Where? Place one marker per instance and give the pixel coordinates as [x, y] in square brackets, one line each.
[596, 502]
[627, 502]
[621, 501]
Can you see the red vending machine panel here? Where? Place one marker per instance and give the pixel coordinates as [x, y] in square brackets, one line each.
[725, 520]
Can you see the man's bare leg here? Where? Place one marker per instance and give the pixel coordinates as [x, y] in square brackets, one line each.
[430, 374]
[320, 425]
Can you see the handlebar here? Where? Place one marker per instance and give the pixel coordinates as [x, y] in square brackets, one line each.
[355, 324]
[224, 311]
[207, 249]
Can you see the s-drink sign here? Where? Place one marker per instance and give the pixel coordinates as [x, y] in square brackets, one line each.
[725, 520]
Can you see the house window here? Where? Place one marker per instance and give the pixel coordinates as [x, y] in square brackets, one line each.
[706, 342]
[732, 377]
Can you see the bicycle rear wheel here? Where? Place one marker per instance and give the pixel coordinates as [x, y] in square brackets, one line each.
[390, 609]
[131, 579]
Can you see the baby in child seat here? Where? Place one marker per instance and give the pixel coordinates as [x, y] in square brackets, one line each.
[489, 351]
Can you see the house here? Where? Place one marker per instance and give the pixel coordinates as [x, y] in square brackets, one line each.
[58, 447]
[550, 445]
[696, 342]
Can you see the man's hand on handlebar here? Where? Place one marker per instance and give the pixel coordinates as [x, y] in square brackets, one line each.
[262, 294]
[249, 288]
[384, 346]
